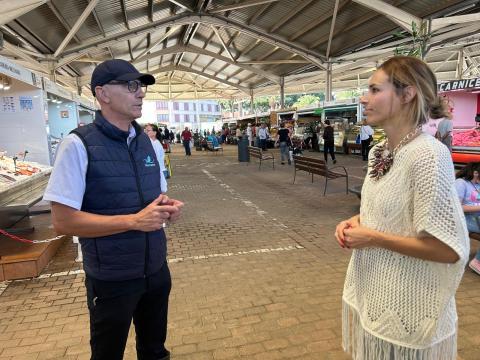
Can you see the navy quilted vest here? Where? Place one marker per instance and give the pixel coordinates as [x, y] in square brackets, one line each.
[120, 180]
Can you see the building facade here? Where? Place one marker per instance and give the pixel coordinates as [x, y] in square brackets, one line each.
[196, 114]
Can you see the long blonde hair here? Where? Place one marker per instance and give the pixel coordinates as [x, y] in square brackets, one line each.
[404, 71]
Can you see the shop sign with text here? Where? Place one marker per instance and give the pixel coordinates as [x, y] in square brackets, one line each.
[460, 85]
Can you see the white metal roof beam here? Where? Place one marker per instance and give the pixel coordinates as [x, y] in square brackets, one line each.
[12, 10]
[75, 27]
[196, 50]
[61, 19]
[332, 27]
[181, 5]
[125, 15]
[159, 41]
[453, 20]
[21, 54]
[215, 30]
[259, 13]
[216, 20]
[150, 10]
[266, 62]
[241, 5]
[398, 16]
[202, 74]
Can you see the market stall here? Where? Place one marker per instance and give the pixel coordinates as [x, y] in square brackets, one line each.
[22, 123]
[61, 116]
[463, 97]
[308, 125]
[86, 110]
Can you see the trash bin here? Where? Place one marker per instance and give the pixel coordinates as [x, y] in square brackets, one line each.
[243, 155]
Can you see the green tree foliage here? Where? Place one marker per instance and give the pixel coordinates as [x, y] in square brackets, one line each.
[347, 94]
[306, 100]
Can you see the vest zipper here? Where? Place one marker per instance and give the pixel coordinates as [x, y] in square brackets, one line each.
[139, 189]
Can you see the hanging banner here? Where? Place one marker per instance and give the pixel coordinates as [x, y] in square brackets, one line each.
[18, 72]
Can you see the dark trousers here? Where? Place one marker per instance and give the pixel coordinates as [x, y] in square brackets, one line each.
[113, 305]
[329, 148]
[263, 144]
[365, 149]
[186, 145]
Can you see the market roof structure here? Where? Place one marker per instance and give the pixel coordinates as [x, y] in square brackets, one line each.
[237, 48]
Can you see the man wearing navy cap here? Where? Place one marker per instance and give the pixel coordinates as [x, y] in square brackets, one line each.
[106, 188]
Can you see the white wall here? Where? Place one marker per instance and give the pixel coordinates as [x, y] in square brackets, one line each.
[61, 127]
[21, 129]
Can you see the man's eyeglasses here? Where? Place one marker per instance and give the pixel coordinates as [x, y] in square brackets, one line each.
[132, 85]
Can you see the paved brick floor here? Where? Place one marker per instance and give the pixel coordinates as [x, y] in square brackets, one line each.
[256, 272]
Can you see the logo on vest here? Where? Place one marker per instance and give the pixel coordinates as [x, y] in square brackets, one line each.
[149, 162]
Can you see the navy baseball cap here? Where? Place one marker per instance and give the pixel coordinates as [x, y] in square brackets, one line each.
[118, 70]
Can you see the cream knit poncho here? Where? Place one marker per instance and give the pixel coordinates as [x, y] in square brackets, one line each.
[396, 306]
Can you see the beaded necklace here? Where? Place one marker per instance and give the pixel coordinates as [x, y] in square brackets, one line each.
[383, 157]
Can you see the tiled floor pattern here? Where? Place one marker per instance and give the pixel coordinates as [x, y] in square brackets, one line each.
[256, 272]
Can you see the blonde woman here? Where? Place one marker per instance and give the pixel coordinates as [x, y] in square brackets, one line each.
[409, 242]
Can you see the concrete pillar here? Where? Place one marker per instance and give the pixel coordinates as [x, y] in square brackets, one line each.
[282, 92]
[328, 83]
[251, 102]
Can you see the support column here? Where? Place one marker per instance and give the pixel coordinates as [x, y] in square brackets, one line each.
[251, 102]
[460, 64]
[79, 85]
[282, 92]
[328, 83]
[51, 71]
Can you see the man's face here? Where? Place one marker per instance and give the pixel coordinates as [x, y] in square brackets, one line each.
[127, 104]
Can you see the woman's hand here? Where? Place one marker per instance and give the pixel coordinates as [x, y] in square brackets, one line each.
[360, 237]
[353, 222]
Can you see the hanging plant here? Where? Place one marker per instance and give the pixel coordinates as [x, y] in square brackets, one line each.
[420, 37]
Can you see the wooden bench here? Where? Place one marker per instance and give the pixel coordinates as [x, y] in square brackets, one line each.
[318, 167]
[258, 153]
[215, 149]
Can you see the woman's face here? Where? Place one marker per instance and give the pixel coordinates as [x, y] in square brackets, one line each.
[381, 102]
[475, 174]
[150, 132]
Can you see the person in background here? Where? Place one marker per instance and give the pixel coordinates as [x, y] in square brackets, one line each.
[444, 131]
[468, 189]
[186, 138]
[105, 187]
[153, 133]
[328, 142]
[250, 134]
[366, 137]
[238, 133]
[223, 135]
[166, 135]
[410, 241]
[263, 135]
[214, 139]
[283, 138]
